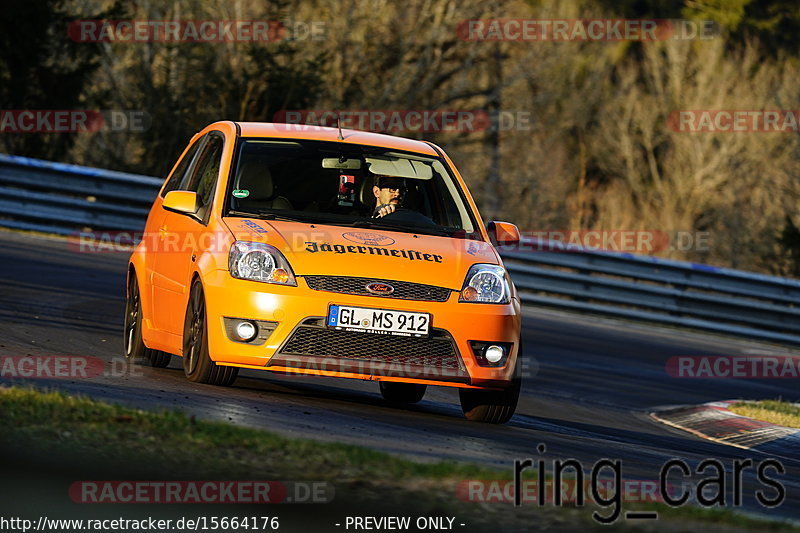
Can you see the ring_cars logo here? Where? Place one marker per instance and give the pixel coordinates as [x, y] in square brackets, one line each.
[371, 239]
[380, 288]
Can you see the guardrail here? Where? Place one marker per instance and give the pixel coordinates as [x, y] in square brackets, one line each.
[58, 198]
[656, 290]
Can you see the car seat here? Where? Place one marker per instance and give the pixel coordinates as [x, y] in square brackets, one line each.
[365, 195]
[256, 178]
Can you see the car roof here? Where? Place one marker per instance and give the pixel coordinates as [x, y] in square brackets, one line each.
[320, 133]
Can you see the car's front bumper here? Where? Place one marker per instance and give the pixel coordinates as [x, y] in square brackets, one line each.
[302, 343]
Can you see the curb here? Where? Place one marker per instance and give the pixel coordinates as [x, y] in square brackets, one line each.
[714, 421]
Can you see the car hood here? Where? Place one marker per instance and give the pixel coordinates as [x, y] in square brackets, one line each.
[315, 249]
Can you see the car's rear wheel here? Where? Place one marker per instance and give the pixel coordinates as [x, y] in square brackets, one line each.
[135, 348]
[197, 365]
[402, 392]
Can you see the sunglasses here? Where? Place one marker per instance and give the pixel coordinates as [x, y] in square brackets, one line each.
[392, 184]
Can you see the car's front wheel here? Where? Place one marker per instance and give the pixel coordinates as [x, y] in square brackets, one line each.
[197, 365]
[492, 407]
[402, 392]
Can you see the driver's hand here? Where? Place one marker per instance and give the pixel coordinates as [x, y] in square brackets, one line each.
[385, 209]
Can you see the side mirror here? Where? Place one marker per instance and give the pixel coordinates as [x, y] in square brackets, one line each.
[183, 202]
[503, 233]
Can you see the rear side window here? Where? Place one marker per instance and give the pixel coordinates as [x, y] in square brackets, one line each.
[179, 173]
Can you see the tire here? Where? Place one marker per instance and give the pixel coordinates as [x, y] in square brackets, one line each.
[493, 407]
[402, 392]
[133, 345]
[159, 359]
[197, 365]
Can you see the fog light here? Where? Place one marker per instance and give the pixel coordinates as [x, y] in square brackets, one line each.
[491, 353]
[246, 331]
[494, 353]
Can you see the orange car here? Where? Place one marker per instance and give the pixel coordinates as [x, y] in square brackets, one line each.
[311, 250]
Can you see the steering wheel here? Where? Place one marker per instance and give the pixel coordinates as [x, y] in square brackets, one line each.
[377, 209]
[406, 215]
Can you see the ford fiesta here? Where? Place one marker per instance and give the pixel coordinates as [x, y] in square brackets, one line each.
[311, 250]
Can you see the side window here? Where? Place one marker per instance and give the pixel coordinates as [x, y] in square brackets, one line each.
[179, 173]
[204, 178]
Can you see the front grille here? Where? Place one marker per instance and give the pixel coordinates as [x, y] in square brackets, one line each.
[436, 351]
[403, 290]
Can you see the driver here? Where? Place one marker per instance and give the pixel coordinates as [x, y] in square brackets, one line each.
[389, 193]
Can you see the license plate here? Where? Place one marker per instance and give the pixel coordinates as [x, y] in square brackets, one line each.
[381, 321]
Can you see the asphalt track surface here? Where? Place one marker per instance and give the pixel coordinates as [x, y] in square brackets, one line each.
[589, 387]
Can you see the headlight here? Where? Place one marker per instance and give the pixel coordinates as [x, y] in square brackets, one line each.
[486, 284]
[259, 262]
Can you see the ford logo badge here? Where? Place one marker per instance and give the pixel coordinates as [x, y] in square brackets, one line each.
[381, 289]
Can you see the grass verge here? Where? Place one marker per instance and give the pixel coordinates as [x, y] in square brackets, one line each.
[773, 411]
[111, 442]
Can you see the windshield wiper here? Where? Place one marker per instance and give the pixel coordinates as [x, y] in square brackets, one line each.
[360, 223]
[263, 215]
[425, 230]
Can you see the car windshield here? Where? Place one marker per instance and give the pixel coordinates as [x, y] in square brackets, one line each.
[333, 183]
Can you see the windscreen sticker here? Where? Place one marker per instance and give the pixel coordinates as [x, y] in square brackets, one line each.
[411, 255]
[241, 193]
